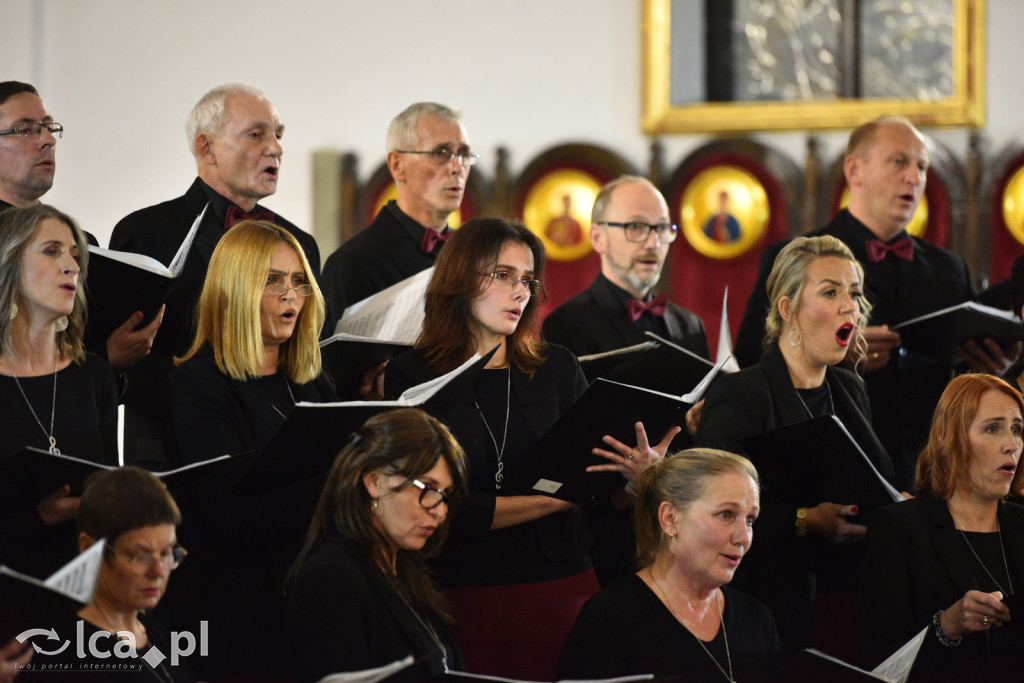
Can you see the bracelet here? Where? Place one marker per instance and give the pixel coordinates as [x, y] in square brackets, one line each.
[943, 638]
[631, 490]
[801, 521]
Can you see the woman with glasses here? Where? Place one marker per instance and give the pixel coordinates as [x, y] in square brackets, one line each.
[254, 356]
[360, 595]
[55, 396]
[113, 637]
[516, 566]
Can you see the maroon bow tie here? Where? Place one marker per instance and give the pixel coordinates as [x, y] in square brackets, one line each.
[236, 215]
[655, 306]
[877, 249]
[431, 238]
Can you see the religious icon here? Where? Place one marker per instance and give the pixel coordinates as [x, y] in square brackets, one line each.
[556, 208]
[1013, 205]
[724, 211]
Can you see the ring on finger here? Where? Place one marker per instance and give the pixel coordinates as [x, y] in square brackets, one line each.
[984, 621]
[630, 457]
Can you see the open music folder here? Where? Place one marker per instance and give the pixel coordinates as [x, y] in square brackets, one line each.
[939, 334]
[556, 465]
[122, 282]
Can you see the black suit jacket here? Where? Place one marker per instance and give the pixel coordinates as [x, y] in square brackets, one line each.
[342, 616]
[904, 393]
[595, 321]
[915, 563]
[158, 231]
[783, 570]
[385, 253]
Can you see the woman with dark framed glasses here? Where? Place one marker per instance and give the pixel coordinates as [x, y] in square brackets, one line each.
[132, 510]
[360, 595]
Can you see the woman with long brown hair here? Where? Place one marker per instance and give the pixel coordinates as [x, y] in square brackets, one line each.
[516, 567]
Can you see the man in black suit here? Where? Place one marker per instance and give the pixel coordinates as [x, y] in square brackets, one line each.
[429, 158]
[630, 229]
[235, 136]
[28, 142]
[886, 166]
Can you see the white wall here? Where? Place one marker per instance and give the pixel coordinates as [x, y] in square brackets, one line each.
[121, 76]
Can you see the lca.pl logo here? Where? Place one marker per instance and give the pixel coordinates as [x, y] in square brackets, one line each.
[183, 644]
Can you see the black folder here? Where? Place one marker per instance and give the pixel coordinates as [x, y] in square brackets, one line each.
[28, 604]
[939, 334]
[812, 666]
[657, 364]
[314, 433]
[31, 474]
[346, 359]
[120, 283]
[817, 460]
[556, 465]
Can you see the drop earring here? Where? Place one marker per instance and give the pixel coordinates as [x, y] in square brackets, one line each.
[14, 311]
[61, 324]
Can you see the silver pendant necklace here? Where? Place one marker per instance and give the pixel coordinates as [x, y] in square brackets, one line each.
[1006, 565]
[721, 618]
[430, 630]
[498, 476]
[831, 403]
[277, 410]
[53, 406]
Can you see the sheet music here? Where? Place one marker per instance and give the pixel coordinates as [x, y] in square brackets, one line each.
[725, 339]
[702, 386]
[893, 493]
[78, 577]
[393, 314]
[897, 666]
[178, 262]
[369, 675]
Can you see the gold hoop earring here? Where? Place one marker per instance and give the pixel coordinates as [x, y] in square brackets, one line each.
[795, 338]
[61, 324]
[14, 311]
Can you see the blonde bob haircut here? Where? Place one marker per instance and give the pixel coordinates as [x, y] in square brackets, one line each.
[680, 480]
[789, 275]
[229, 307]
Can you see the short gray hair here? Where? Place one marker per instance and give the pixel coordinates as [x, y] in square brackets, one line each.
[402, 132]
[209, 115]
[604, 196]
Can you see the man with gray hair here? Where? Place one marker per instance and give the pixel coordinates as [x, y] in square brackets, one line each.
[234, 133]
[429, 158]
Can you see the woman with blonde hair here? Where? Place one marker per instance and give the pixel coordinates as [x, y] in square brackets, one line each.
[694, 519]
[55, 396]
[255, 355]
[817, 314]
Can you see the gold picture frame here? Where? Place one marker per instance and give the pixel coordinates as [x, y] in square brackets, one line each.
[966, 107]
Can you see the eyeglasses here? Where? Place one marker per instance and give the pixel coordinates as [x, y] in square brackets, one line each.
[430, 497]
[29, 129]
[533, 286]
[141, 562]
[637, 231]
[444, 155]
[280, 288]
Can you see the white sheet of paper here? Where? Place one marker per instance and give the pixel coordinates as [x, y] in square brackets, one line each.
[78, 577]
[393, 314]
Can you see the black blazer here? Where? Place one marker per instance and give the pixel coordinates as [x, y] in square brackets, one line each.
[385, 253]
[595, 321]
[342, 616]
[783, 570]
[209, 414]
[551, 547]
[904, 393]
[916, 563]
